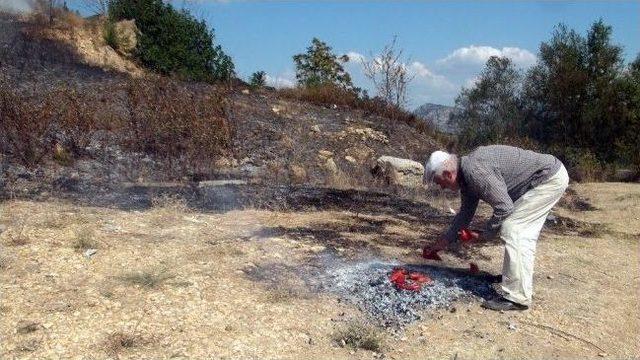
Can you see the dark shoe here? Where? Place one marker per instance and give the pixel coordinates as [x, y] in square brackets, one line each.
[502, 304]
[494, 279]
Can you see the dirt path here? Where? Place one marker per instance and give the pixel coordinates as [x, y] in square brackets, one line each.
[169, 282]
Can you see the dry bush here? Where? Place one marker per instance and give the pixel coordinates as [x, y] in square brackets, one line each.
[4, 262]
[359, 335]
[147, 278]
[171, 121]
[119, 341]
[84, 239]
[34, 126]
[16, 236]
[322, 95]
[76, 117]
[27, 126]
[333, 95]
[167, 210]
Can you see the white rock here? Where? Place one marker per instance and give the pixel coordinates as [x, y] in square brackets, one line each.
[398, 171]
[89, 253]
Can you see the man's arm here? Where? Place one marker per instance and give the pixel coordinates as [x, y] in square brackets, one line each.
[468, 206]
[492, 189]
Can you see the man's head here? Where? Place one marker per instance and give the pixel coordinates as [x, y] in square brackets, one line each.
[442, 168]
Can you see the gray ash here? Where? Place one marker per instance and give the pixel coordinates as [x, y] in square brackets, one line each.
[367, 286]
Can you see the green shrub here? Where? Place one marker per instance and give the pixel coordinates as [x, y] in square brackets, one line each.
[173, 41]
[258, 79]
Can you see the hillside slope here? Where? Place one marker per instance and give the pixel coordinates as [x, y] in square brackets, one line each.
[273, 139]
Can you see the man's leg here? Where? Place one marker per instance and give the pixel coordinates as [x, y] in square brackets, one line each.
[520, 233]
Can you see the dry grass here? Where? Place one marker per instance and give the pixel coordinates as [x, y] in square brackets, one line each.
[628, 197]
[84, 239]
[4, 262]
[167, 210]
[16, 234]
[172, 121]
[120, 341]
[332, 95]
[25, 327]
[359, 335]
[167, 119]
[149, 279]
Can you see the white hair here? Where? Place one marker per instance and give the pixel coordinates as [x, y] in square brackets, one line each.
[439, 162]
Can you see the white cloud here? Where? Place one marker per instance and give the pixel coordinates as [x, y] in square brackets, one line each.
[355, 57]
[424, 76]
[478, 55]
[280, 81]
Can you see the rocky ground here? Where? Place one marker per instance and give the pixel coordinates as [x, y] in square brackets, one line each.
[167, 279]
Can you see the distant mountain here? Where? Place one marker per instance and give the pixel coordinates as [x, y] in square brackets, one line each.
[437, 115]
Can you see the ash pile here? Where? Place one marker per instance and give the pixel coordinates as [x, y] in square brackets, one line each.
[367, 286]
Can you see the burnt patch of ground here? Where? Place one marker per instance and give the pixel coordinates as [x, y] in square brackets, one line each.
[572, 201]
[568, 226]
[366, 285]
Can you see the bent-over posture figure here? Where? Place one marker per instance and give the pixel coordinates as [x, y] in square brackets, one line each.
[521, 186]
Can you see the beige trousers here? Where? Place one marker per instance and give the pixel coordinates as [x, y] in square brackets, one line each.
[520, 233]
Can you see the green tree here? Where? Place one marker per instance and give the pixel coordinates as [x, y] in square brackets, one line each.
[555, 89]
[627, 141]
[577, 98]
[319, 66]
[489, 111]
[258, 79]
[173, 41]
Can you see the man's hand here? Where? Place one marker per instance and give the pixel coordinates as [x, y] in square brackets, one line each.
[467, 236]
[431, 252]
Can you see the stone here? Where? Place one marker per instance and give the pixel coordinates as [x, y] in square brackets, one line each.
[330, 166]
[246, 91]
[398, 172]
[89, 253]
[325, 153]
[297, 174]
[362, 153]
[351, 159]
[315, 128]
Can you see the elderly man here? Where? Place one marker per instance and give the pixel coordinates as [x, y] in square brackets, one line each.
[521, 186]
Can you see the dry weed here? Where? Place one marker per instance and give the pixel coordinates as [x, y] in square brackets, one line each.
[16, 234]
[147, 278]
[359, 335]
[4, 262]
[84, 239]
[119, 341]
[167, 210]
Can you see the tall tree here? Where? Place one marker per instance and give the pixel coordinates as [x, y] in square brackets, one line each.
[320, 66]
[490, 110]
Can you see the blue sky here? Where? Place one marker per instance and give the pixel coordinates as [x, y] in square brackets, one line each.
[447, 43]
